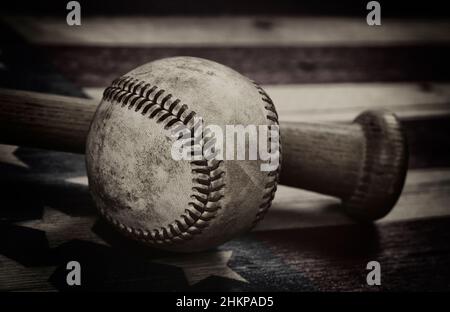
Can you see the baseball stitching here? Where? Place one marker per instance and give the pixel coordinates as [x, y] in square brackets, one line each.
[208, 177]
[273, 176]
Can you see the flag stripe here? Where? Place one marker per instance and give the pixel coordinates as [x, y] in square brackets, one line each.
[296, 208]
[98, 66]
[335, 258]
[229, 31]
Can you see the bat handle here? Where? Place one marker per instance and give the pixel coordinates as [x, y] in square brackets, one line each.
[45, 120]
[363, 163]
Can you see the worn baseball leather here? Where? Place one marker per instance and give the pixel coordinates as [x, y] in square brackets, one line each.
[177, 205]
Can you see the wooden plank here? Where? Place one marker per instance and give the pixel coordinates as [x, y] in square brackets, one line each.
[342, 102]
[16, 277]
[229, 31]
[24, 67]
[96, 66]
[426, 194]
[413, 255]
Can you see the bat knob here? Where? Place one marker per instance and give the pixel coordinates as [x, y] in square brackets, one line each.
[383, 167]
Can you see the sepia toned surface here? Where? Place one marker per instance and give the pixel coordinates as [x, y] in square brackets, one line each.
[48, 217]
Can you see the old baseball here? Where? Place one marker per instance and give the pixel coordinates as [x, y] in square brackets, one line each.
[177, 205]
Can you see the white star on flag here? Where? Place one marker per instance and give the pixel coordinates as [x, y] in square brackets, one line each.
[82, 180]
[60, 228]
[197, 267]
[7, 156]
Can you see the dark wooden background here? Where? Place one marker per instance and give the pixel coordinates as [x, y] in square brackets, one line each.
[47, 217]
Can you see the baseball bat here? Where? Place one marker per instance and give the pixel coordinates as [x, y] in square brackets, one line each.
[364, 163]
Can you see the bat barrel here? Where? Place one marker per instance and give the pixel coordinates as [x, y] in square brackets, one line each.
[363, 163]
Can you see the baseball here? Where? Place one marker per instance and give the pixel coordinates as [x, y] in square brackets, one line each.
[177, 204]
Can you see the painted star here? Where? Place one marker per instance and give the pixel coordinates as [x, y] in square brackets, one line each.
[7, 156]
[82, 180]
[198, 267]
[60, 228]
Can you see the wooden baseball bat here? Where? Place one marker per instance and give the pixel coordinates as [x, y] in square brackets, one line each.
[363, 163]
